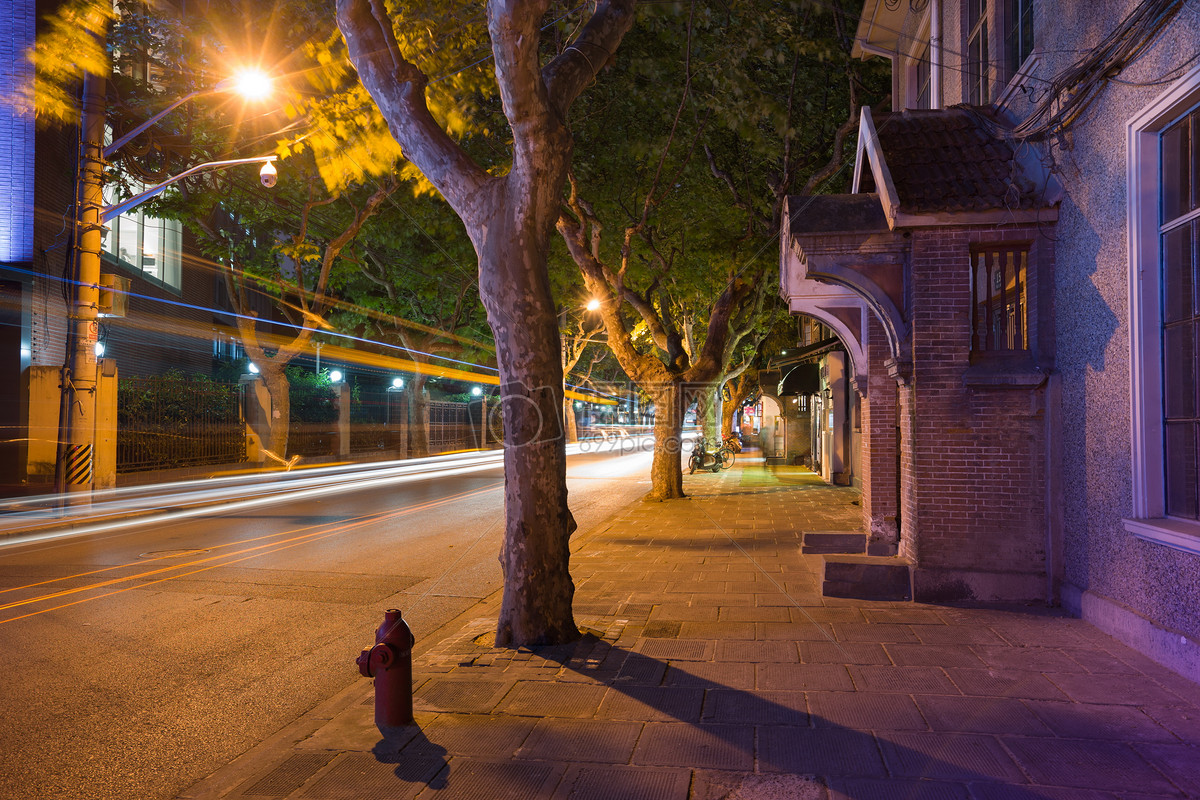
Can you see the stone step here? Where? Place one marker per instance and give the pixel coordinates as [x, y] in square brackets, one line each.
[829, 542]
[867, 577]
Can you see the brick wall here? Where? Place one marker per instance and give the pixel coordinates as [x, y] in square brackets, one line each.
[977, 445]
[879, 443]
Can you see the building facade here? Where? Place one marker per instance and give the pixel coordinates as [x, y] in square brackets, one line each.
[1021, 243]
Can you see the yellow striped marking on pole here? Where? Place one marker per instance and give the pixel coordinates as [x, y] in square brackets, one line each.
[79, 464]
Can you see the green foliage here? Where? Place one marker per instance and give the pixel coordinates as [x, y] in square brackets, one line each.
[176, 420]
[448, 42]
[715, 112]
[312, 397]
[71, 45]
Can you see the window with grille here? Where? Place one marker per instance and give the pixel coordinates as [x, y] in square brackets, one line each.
[1180, 242]
[999, 288]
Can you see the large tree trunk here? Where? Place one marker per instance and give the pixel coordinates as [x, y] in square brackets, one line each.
[706, 416]
[571, 428]
[666, 471]
[279, 390]
[510, 220]
[727, 413]
[418, 410]
[739, 389]
[536, 605]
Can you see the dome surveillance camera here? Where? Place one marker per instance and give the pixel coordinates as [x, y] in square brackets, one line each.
[267, 175]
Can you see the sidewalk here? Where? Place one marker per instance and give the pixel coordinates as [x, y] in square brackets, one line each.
[713, 668]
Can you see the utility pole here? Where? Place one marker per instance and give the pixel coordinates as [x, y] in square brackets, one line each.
[77, 414]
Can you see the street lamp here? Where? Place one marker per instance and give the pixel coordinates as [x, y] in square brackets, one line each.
[75, 474]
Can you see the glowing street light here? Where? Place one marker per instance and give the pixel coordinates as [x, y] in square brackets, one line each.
[476, 391]
[397, 383]
[252, 84]
[335, 376]
[593, 304]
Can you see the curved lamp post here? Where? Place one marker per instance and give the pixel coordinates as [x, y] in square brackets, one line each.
[74, 472]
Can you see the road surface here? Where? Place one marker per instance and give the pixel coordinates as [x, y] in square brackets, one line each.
[139, 655]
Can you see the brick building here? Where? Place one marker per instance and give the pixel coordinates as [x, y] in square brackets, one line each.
[1014, 276]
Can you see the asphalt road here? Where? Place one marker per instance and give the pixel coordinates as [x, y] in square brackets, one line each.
[138, 658]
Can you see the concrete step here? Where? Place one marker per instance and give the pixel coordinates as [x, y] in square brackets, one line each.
[867, 577]
[822, 542]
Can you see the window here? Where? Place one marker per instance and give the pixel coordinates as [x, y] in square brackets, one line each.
[1018, 34]
[145, 244]
[1164, 240]
[922, 77]
[1180, 232]
[976, 77]
[999, 318]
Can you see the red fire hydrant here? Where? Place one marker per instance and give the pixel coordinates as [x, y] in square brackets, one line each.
[389, 662]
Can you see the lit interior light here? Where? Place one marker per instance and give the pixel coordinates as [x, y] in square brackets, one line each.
[335, 376]
[397, 383]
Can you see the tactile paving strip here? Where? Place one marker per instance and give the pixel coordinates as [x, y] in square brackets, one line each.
[464, 696]
[289, 776]
[362, 776]
[478, 780]
[682, 649]
[594, 783]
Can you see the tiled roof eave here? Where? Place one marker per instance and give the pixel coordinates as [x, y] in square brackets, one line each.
[936, 218]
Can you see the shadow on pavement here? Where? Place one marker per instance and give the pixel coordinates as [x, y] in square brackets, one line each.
[658, 721]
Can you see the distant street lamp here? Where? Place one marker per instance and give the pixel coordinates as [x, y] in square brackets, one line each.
[74, 474]
[593, 304]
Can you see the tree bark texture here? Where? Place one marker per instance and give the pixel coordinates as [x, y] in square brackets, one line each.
[510, 220]
[418, 420]
[666, 471]
[279, 390]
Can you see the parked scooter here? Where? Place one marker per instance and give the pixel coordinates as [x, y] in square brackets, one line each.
[702, 458]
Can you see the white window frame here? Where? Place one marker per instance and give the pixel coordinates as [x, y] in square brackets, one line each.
[1149, 521]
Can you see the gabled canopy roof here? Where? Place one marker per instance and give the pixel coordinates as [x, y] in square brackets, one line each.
[929, 165]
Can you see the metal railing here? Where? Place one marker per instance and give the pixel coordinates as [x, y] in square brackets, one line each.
[170, 421]
[450, 427]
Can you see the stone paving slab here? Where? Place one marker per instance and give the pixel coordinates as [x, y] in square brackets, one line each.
[711, 668]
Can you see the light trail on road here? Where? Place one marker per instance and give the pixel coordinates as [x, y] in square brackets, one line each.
[223, 559]
[116, 509]
[210, 500]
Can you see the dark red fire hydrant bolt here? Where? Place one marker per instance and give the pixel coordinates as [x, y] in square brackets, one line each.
[389, 662]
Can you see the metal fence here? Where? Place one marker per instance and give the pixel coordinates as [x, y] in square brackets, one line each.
[172, 420]
[450, 427]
